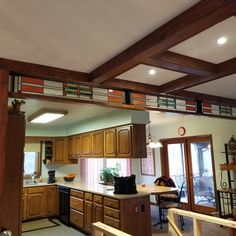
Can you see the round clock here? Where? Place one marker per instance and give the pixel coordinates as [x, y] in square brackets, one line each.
[181, 131]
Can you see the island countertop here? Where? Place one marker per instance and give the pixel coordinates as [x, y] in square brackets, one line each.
[105, 190]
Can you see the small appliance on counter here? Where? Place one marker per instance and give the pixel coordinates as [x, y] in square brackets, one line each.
[51, 176]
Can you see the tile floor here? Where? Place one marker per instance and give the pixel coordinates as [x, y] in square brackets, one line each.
[208, 229]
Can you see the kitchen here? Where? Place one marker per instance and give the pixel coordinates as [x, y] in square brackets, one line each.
[178, 57]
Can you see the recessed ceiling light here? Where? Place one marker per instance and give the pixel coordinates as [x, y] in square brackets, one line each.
[46, 116]
[110, 90]
[222, 40]
[152, 72]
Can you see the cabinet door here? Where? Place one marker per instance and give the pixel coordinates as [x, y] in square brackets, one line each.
[110, 143]
[97, 142]
[60, 150]
[88, 215]
[71, 147]
[34, 205]
[87, 145]
[124, 141]
[77, 146]
[23, 207]
[51, 199]
[97, 213]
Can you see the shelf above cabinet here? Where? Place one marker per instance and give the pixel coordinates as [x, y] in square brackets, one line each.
[228, 166]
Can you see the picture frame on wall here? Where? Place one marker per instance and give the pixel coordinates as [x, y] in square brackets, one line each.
[148, 164]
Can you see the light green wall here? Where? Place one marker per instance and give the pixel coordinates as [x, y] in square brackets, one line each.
[220, 129]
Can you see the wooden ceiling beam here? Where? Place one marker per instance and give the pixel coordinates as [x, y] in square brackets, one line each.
[201, 16]
[180, 63]
[41, 71]
[223, 69]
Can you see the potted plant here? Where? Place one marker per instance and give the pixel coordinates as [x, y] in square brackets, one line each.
[107, 174]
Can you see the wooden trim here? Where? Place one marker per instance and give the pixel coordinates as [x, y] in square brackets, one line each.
[194, 20]
[42, 71]
[3, 130]
[223, 69]
[181, 63]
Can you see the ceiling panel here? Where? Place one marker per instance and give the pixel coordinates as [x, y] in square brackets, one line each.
[204, 45]
[140, 74]
[224, 87]
[79, 35]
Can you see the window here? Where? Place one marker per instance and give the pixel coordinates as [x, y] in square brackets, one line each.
[32, 163]
[91, 168]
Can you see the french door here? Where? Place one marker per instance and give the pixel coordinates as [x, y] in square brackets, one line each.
[190, 161]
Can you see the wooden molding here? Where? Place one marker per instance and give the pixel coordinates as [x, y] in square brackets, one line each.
[194, 20]
[177, 62]
[41, 71]
[223, 69]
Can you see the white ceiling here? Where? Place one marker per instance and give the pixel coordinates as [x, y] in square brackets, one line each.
[79, 35]
[223, 87]
[204, 45]
[76, 112]
[140, 74]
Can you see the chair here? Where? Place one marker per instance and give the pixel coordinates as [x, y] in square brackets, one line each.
[165, 204]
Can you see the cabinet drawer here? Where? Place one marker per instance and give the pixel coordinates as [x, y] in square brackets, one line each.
[77, 204]
[35, 190]
[111, 203]
[112, 222]
[97, 199]
[77, 218]
[112, 213]
[77, 193]
[88, 197]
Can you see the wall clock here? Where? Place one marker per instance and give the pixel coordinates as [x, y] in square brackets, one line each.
[181, 131]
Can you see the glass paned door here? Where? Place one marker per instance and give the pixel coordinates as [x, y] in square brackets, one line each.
[177, 167]
[201, 176]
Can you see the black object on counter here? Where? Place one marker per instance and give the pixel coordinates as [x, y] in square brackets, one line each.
[51, 176]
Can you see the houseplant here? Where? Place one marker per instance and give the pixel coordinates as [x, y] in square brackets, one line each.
[107, 173]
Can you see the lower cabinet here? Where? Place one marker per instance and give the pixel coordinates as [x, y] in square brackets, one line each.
[39, 202]
[122, 213]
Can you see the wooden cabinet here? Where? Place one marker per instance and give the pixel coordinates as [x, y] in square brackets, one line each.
[71, 147]
[77, 208]
[51, 200]
[124, 141]
[97, 208]
[110, 142]
[77, 146]
[86, 144]
[35, 205]
[39, 202]
[88, 215]
[60, 150]
[97, 144]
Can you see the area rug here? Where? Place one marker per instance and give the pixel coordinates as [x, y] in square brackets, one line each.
[38, 224]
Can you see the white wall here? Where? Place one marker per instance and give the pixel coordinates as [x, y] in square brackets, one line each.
[220, 129]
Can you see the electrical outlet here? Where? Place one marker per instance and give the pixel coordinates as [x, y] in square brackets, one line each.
[136, 209]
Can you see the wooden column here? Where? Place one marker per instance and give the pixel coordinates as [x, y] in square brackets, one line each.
[3, 127]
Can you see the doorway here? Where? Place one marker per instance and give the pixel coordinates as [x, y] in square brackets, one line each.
[190, 161]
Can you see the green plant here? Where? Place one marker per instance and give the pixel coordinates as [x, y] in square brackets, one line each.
[106, 174]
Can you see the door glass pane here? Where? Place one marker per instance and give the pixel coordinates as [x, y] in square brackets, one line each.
[177, 167]
[202, 171]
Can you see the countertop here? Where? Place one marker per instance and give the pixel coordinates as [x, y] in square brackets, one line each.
[100, 189]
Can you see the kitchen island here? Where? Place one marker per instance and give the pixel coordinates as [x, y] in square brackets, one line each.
[92, 203]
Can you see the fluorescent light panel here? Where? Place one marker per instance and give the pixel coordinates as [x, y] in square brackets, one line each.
[45, 116]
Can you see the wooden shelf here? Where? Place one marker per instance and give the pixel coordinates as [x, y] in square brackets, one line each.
[228, 166]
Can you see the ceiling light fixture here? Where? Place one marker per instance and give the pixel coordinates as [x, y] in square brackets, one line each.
[46, 115]
[152, 72]
[151, 141]
[221, 40]
[110, 90]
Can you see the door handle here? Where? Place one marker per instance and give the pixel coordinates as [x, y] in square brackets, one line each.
[5, 232]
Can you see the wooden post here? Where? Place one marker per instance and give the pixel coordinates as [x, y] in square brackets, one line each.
[197, 227]
[3, 127]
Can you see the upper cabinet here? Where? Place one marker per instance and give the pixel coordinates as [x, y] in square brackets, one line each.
[110, 142]
[127, 141]
[86, 145]
[97, 144]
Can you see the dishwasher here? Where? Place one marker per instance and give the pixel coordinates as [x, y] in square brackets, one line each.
[64, 205]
